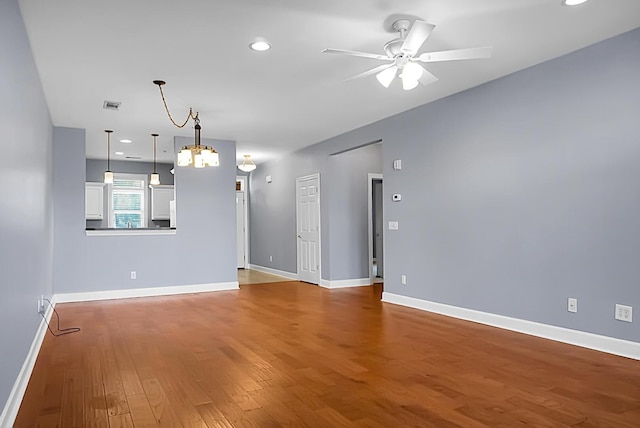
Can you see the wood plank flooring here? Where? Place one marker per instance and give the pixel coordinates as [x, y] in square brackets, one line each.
[251, 276]
[293, 354]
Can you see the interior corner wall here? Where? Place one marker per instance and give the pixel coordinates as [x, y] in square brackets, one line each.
[349, 211]
[272, 212]
[199, 253]
[26, 231]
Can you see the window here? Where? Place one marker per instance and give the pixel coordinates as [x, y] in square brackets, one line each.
[127, 202]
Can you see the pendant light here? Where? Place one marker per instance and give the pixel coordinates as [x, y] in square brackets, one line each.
[247, 164]
[155, 177]
[108, 175]
[195, 155]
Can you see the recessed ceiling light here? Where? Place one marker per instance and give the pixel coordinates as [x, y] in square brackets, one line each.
[126, 141]
[573, 2]
[260, 46]
[120, 153]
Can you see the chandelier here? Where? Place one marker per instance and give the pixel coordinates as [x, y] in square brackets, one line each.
[196, 155]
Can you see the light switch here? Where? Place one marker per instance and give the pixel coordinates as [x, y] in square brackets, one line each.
[397, 164]
[393, 225]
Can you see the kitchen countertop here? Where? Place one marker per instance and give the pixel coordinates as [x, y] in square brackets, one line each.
[145, 231]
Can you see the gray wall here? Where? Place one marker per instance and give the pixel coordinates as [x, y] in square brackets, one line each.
[516, 194]
[95, 172]
[523, 192]
[26, 233]
[199, 253]
[343, 187]
[348, 211]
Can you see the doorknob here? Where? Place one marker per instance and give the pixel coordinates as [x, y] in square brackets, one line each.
[299, 236]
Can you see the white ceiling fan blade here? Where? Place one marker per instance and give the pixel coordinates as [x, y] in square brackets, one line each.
[375, 70]
[360, 54]
[426, 78]
[457, 54]
[418, 33]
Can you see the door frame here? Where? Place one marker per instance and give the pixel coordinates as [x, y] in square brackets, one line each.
[243, 188]
[298, 179]
[371, 178]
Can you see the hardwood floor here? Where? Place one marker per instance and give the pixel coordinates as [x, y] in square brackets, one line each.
[293, 354]
[251, 276]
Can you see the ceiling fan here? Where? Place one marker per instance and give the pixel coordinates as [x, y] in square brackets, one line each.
[403, 59]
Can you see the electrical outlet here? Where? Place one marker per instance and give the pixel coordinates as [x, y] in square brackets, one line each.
[133, 274]
[624, 313]
[572, 304]
[403, 279]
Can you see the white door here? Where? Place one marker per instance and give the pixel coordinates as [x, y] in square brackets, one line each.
[240, 228]
[308, 228]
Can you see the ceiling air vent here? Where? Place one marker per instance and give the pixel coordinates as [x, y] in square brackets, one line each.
[112, 105]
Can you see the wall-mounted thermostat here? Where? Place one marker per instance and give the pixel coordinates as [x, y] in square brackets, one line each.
[397, 164]
[396, 197]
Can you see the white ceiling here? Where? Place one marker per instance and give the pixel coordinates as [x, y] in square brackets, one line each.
[272, 103]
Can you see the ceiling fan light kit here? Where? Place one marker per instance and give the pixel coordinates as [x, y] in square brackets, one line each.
[403, 58]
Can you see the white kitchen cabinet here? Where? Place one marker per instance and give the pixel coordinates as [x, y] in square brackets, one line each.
[161, 196]
[94, 201]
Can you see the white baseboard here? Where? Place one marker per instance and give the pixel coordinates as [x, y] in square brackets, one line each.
[288, 275]
[11, 407]
[597, 342]
[145, 292]
[345, 283]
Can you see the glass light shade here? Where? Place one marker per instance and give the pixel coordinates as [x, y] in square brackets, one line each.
[155, 179]
[198, 160]
[208, 158]
[214, 159]
[108, 177]
[412, 71]
[385, 77]
[408, 84]
[184, 157]
[247, 164]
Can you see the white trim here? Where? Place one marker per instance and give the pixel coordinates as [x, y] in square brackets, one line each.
[144, 292]
[243, 180]
[299, 179]
[371, 177]
[11, 407]
[130, 232]
[597, 342]
[345, 283]
[288, 275]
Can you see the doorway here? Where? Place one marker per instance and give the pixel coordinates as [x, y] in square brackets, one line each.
[242, 227]
[376, 229]
[308, 228]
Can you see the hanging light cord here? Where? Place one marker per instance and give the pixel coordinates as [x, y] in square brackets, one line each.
[154, 152]
[189, 116]
[61, 331]
[108, 150]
